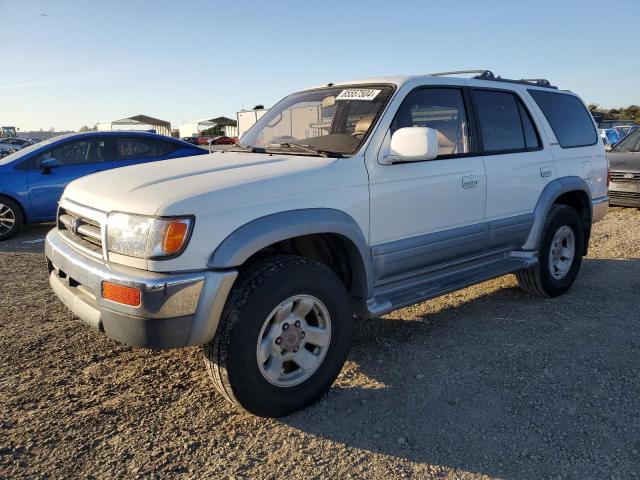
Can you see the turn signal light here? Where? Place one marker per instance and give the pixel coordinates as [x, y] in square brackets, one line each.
[121, 294]
[174, 237]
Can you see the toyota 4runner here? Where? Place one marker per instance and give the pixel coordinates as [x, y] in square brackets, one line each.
[343, 200]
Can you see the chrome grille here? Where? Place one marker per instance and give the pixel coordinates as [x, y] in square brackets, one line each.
[625, 177]
[80, 231]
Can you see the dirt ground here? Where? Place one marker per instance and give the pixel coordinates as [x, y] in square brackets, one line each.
[482, 383]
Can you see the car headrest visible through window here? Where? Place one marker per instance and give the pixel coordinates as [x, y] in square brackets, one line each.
[100, 153]
[363, 125]
[445, 146]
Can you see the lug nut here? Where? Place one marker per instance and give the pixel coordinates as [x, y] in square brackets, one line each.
[285, 326]
[295, 350]
[297, 324]
[278, 341]
[302, 334]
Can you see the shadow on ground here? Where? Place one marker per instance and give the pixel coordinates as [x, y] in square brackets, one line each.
[504, 384]
[28, 239]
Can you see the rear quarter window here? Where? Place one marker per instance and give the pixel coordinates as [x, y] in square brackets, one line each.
[569, 119]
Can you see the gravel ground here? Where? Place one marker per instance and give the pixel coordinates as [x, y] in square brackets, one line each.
[482, 383]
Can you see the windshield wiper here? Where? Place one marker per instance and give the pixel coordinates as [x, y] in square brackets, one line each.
[308, 148]
[238, 147]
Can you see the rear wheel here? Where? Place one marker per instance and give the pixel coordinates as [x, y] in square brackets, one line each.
[11, 218]
[283, 337]
[559, 255]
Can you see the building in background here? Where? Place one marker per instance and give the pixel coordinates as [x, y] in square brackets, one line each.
[222, 126]
[138, 123]
[246, 119]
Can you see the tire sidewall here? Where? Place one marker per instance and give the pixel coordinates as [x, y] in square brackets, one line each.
[560, 217]
[250, 387]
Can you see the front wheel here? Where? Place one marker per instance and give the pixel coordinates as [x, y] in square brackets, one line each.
[559, 255]
[11, 218]
[283, 337]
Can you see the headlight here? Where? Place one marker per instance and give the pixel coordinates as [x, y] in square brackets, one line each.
[147, 237]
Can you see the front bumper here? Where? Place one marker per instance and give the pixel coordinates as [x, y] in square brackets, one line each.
[176, 310]
[624, 194]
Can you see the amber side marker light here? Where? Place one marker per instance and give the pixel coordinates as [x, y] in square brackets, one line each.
[121, 294]
[174, 237]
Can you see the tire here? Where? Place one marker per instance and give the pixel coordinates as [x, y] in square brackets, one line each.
[263, 292]
[11, 218]
[543, 279]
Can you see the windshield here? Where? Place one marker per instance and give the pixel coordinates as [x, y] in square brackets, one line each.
[630, 143]
[330, 121]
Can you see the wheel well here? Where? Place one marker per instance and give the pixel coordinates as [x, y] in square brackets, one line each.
[579, 201]
[336, 252]
[24, 213]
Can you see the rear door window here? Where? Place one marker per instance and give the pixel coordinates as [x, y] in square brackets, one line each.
[505, 123]
[135, 148]
[166, 148]
[569, 119]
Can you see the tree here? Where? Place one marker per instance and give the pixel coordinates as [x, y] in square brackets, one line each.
[84, 128]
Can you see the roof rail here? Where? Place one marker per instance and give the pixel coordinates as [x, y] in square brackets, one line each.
[488, 75]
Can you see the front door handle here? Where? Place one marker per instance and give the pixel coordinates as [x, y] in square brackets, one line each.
[470, 181]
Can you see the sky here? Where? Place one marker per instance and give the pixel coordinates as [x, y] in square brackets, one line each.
[67, 63]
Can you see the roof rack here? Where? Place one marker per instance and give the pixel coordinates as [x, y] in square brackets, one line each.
[488, 75]
[462, 72]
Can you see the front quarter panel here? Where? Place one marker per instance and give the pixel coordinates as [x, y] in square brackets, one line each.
[341, 185]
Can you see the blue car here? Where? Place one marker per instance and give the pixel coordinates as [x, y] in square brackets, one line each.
[32, 179]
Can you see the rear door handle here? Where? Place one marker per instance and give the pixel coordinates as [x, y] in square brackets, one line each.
[470, 181]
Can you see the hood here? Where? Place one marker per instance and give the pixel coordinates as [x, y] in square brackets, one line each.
[624, 161]
[152, 188]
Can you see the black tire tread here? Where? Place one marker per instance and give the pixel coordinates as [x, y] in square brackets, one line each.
[215, 352]
[530, 279]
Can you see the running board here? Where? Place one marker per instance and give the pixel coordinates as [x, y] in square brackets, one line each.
[403, 293]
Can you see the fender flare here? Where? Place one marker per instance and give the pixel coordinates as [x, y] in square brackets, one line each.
[250, 238]
[549, 195]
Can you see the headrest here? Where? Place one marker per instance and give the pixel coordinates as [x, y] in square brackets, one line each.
[444, 141]
[363, 125]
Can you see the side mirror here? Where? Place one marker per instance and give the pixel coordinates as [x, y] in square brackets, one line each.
[47, 164]
[412, 144]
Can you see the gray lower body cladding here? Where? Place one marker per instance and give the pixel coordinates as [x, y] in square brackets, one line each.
[416, 253]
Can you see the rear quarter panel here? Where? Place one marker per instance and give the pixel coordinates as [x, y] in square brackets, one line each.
[588, 162]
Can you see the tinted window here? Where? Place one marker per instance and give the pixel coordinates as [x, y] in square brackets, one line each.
[570, 121]
[165, 148]
[441, 109]
[630, 143]
[500, 121]
[134, 148]
[75, 153]
[531, 138]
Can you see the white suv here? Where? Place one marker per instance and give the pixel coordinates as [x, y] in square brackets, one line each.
[347, 199]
